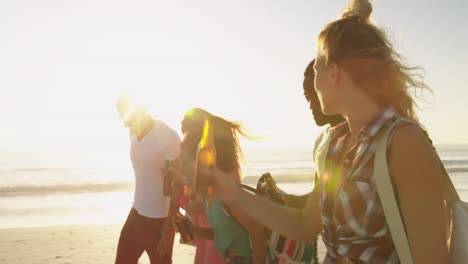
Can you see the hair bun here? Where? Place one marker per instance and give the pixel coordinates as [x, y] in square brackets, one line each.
[359, 8]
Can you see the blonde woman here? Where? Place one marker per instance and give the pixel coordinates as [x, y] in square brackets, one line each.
[360, 76]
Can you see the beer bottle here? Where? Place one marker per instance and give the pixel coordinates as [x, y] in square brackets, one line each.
[182, 224]
[206, 157]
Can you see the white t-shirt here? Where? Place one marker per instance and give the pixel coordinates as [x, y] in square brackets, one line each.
[148, 158]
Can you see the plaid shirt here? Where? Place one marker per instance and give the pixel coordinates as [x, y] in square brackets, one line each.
[352, 215]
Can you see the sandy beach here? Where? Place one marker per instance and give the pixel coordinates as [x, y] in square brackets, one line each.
[83, 244]
[87, 244]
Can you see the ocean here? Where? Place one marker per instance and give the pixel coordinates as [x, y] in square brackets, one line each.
[38, 189]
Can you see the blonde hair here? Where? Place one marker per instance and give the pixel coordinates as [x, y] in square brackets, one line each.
[364, 52]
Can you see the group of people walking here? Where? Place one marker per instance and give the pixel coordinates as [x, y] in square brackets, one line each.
[358, 87]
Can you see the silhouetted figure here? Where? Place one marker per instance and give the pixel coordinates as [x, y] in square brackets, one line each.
[310, 95]
[321, 119]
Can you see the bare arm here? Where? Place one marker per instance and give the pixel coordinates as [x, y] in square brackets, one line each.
[167, 228]
[303, 225]
[177, 191]
[415, 169]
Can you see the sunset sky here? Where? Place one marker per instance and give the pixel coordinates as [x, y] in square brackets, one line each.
[63, 64]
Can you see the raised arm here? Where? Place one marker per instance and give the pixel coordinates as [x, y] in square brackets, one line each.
[300, 224]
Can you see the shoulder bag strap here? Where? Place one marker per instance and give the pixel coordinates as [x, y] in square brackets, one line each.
[389, 202]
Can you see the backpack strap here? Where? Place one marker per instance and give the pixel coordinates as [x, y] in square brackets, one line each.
[388, 199]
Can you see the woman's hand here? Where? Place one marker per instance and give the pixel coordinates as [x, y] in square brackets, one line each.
[181, 220]
[223, 184]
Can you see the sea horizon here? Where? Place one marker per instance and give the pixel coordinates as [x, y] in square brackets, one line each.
[41, 190]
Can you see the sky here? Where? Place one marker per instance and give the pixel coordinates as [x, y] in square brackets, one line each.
[63, 64]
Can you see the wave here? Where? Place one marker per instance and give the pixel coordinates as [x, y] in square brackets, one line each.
[40, 190]
[456, 169]
[455, 161]
[40, 170]
[283, 172]
[456, 164]
[37, 211]
[37, 190]
[290, 178]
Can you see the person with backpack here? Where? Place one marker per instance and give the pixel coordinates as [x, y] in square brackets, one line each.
[360, 76]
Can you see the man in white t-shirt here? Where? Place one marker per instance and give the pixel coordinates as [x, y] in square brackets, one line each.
[152, 143]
